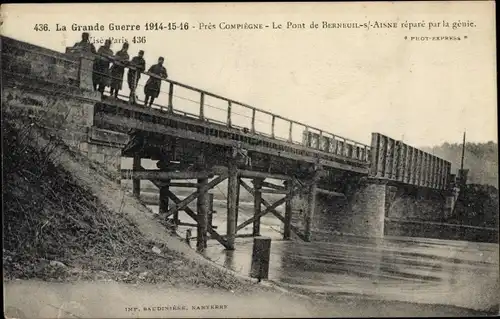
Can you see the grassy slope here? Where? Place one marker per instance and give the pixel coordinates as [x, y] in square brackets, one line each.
[52, 215]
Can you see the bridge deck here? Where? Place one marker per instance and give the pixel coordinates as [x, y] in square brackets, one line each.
[119, 115]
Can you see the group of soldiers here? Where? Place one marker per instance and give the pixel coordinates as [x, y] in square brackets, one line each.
[104, 75]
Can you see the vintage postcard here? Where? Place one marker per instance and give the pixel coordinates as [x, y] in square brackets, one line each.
[249, 160]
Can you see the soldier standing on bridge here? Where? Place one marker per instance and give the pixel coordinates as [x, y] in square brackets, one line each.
[118, 69]
[101, 67]
[153, 85]
[133, 76]
[84, 45]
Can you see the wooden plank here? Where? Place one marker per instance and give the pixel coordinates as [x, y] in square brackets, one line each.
[202, 205]
[257, 195]
[231, 204]
[136, 183]
[396, 161]
[162, 175]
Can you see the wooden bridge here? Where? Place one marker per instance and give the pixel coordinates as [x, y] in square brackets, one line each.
[196, 134]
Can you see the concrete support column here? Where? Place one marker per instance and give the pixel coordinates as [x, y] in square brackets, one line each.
[368, 209]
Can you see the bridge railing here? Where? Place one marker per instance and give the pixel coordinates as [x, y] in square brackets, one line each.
[245, 117]
[75, 69]
[394, 160]
[206, 106]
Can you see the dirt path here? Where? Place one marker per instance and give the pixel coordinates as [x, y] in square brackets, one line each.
[36, 299]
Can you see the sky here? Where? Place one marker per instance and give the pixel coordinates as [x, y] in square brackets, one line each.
[350, 82]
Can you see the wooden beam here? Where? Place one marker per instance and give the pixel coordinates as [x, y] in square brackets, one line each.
[237, 201]
[136, 183]
[162, 175]
[257, 196]
[194, 195]
[231, 204]
[181, 184]
[163, 205]
[170, 98]
[193, 215]
[272, 208]
[262, 213]
[287, 223]
[262, 175]
[202, 205]
[192, 225]
[202, 106]
[273, 191]
[229, 107]
[271, 185]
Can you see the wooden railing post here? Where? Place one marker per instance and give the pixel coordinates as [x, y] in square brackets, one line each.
[253, 120]
[290, 139]
[202, 106]
[272, 126]
[229, 113]
[170, 98]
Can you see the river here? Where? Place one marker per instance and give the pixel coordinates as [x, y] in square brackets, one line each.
[419, 270]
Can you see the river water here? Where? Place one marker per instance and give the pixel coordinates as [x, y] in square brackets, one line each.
[420, 270]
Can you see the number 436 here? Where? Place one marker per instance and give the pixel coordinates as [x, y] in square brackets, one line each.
[41, 27]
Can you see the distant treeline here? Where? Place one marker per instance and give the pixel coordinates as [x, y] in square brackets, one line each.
[480, 158]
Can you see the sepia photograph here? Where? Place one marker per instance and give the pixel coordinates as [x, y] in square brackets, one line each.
[249, 160]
